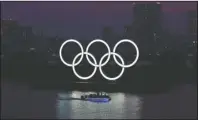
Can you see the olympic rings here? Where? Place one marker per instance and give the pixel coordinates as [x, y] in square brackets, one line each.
[137, 52]
[73, 66]
[61, 48]
[108, 48]
[100, 65]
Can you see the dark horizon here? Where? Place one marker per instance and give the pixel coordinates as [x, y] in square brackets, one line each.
[53, 20]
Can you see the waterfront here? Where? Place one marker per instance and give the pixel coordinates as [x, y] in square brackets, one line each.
[21, 101]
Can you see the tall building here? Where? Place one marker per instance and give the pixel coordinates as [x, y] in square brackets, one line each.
[8, 27]
[14, 36]
[192, 22]
[192, 15]
[11, 28]
[146, 24]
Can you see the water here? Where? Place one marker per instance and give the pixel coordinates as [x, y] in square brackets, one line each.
[21, 101]
[122, 106]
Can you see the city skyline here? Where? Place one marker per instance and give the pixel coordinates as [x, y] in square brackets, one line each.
[55, 18]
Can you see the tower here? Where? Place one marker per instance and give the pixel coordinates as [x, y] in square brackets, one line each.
[146, 24]
[192, 17]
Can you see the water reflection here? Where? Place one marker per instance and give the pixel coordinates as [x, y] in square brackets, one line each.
[122, 106]
[23, 102]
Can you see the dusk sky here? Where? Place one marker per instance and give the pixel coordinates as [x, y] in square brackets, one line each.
[84, 18]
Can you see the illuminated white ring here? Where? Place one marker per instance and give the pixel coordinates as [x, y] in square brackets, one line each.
[74, 70]
[137, 53]
[108, 48]
[100, 67]
[61, 48]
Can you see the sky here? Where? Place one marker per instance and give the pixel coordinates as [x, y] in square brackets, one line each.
[87, 19]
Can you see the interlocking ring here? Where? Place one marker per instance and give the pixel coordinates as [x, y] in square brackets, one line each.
[74, 70]
[108, 48]
[61, 48]
[137, 53]
[100, 65]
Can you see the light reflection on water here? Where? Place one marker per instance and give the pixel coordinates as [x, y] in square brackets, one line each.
[122, 106]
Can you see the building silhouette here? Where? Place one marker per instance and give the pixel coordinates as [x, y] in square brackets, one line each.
[192, 22]
[147, 25]
[9, 27]
[192, 15]
[15, 37]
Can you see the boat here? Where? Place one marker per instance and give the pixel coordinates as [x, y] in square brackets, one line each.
[99, 97]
